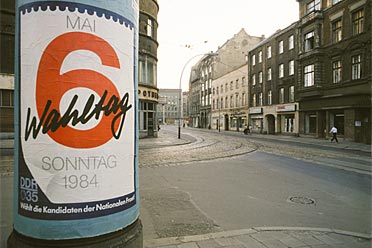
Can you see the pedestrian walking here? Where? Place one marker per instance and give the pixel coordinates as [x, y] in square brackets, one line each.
[334, 134]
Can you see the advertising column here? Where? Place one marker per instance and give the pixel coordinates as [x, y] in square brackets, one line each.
[76, 83]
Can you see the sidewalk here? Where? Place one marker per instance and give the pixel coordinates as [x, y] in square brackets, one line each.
[268, 237]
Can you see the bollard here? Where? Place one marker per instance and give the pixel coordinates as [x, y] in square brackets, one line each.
[76, 138]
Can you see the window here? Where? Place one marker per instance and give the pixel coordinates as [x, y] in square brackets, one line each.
[281, 70]
[269, 52]
[291, 68]
[243, 99]
[147, 71]
[237, 84]
[356, 67]
[291, 42]
[260, 77]
[291, 94]
[236, 100]
[231, 101]
[149, 28]
[253, 59]
[254, 100]
[309, 75]
[337, 71]
[281, 95]
[269, 97]
[260, 57]
[309, 41]
[337, 31]
[254, 79]
[6, 98]
[221, 103]
[358, 22]
[243, 81]
[312, 6]
[269, 74]
[281, 47]
[221, 88]
[260, 99]
[226, 102]
[231, 85]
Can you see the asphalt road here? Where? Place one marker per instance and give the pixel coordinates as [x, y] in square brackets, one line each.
[279, 184]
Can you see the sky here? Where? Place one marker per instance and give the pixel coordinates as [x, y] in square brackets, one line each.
[188, 28]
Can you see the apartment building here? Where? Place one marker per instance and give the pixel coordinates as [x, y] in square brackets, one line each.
[230, 100]
[272, 76]
[334, 68]
[148, 93]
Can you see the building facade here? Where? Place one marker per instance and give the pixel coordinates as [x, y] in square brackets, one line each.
[272, 76]
[230, 100]
[148, 93]
[168, 109]
[231, 56]
[334, 68]
[7, 46]
[194, 97]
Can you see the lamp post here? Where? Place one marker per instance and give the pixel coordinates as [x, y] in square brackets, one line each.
[212, 54]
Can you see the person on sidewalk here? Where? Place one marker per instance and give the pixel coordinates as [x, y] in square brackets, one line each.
[334, 134]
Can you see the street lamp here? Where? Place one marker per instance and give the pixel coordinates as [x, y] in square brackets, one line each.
[211, 54]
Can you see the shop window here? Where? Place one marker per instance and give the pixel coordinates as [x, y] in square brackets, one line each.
[310, 124]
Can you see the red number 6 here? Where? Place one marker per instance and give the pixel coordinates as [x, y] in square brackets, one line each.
[51, 85]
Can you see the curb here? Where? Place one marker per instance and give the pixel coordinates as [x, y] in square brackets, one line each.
[226, 234]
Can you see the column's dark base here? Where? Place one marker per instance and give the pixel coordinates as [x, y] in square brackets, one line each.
[129, 237]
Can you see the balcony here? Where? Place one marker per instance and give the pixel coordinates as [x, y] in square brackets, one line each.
[311, 17]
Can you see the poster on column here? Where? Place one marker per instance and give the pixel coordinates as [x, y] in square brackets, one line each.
[77, 112]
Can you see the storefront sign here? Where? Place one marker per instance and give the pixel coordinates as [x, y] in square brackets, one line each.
[148, 94]
[286, 108]
[77, 138]
[255, 110]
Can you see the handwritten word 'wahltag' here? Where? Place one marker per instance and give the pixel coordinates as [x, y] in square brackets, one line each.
[51, 119]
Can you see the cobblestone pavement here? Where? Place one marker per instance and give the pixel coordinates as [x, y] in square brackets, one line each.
[190, 148]
[167, 150]
[266, 238]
